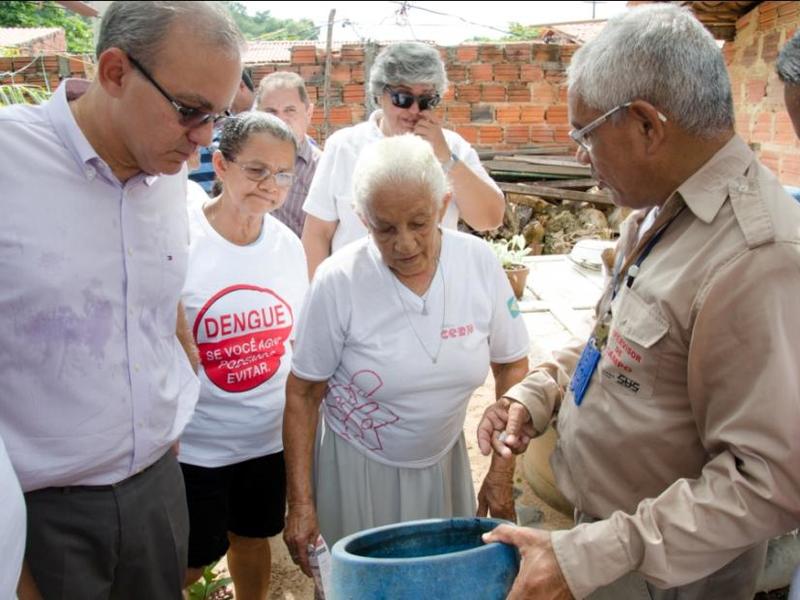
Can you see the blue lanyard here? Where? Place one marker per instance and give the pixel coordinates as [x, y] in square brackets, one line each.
[633, 270]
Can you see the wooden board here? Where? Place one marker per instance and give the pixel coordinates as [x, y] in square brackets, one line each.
[542, 191]
[540, 169]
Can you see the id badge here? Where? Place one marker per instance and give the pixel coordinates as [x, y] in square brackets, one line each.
[584, 371]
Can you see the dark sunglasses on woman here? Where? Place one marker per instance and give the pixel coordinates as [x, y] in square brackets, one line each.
[403, 99]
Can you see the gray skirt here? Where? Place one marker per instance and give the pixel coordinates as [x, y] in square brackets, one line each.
[354, 492]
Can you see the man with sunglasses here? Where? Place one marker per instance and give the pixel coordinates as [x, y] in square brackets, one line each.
[679, 438]
[407, 81]
[93, 252]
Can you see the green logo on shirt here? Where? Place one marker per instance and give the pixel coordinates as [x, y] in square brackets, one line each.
[513, 307]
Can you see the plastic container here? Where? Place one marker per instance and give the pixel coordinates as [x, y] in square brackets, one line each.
[438, 558]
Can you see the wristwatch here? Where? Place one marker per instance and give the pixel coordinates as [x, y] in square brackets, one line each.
[451, 162]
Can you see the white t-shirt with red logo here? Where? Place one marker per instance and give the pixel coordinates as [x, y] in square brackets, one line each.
[366, 334]
[241, 303]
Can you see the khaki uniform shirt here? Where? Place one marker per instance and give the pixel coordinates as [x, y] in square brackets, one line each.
[687, 443]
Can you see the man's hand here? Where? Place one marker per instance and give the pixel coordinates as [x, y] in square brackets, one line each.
[505, 426]
[429, 128]
[539, 576]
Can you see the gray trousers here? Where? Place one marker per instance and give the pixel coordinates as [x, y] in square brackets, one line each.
[735, 581]
[126, 541]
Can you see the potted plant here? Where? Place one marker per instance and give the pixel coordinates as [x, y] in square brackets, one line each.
[510, 254]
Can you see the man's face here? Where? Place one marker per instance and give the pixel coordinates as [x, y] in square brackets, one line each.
[243, 100]
[150, 128]
[612, 155]
[791, 97]
[285, 103]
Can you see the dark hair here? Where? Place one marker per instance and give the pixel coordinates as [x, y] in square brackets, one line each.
[237, 130]
[247, 77]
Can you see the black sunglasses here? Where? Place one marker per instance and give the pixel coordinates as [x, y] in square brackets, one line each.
[404, 99]
[188, 117]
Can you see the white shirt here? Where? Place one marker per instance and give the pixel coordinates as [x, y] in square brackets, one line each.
[330, 197]
[12, 527]
[363, 332]
[241, 302]
[96, 385]
[195, 194]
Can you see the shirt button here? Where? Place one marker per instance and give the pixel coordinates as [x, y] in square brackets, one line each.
[136, 368]
[130, 251]
[90, 172]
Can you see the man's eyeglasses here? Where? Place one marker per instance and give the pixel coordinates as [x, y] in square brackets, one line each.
[188, 117]
[579, 136]
[283, 179]
[405, 99]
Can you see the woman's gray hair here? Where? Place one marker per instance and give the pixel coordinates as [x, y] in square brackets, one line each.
[789, 61]
[661, 54]
[399, 161]
[236, 131]
[407, 63]
[140, 28]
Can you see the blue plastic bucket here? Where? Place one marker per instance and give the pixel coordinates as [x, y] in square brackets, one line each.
[438, 558]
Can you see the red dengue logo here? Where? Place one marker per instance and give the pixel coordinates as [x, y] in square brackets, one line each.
[241, 335]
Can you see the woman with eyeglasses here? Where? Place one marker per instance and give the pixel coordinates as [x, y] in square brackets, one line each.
[245, 283]
[407, 82]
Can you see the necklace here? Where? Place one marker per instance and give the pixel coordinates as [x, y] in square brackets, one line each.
[434, 357]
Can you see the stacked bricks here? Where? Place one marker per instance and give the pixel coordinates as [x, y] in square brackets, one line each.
[761, 117]
[43, 71]
[501, 96]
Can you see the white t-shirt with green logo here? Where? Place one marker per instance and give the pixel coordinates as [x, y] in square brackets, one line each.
[366, 334]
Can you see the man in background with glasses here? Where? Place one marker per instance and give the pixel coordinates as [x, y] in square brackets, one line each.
[93, 251]
[679, 439]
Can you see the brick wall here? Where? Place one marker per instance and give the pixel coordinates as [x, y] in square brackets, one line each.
[501, 96]
[757, 92]
[44, 70]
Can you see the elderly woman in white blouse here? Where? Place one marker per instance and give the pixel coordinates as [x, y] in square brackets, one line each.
[398, 331]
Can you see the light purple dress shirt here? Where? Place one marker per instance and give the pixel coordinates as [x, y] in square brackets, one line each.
[95, 385]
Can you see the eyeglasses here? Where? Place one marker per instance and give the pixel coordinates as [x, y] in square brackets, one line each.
[188, 117]
[404, 99]
[283, 179]
[579, 136]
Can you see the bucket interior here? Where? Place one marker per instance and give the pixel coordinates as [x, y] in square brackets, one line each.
[415, 541]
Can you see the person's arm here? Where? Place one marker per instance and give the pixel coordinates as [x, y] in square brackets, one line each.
[316, 238]
[480, 204]
[299, 430]
[496, 496]
[184, 335]
[27, 590]
[525, 410]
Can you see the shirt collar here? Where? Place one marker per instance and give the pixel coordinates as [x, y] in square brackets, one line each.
[66, 127]
[305, 151]
[706, 190]
[71, 135]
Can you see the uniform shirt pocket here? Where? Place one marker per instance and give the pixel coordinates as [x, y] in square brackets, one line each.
[632, 355]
